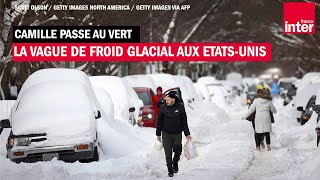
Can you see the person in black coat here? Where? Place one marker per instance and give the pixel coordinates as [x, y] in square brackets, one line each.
[172, 120]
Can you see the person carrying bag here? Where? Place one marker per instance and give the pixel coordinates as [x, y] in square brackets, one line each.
[262, 109]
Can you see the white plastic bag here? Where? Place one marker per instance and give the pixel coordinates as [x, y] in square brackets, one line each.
[190, 150]
[158, 145]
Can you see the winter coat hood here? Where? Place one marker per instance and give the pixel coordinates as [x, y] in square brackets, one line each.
[264, 95]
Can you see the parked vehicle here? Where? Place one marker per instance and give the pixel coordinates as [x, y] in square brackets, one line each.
[302, 98]
[149, 111]
[166, 81]
[198, 91]
[55, 116]
[106, 103]
[307, 111]
[231, 90]
[190, 95]
[217, 93]
[250, 97]
[140, 81]
[292, 91]
[316, 109]
[251, 84]
[212, 90]
[236, 81]
[285, 85]
[306, 80]
[126, 102]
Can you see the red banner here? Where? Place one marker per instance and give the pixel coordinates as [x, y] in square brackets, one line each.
[142, 52]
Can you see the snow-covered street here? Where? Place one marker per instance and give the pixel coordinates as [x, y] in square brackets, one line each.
[181, 89]
[226, 147]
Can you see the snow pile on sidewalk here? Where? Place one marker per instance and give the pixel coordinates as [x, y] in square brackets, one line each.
[290, 133]
[204, 119]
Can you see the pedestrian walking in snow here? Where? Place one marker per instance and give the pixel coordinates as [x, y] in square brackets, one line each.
[259, 89]
[172, 120]
[262, 105]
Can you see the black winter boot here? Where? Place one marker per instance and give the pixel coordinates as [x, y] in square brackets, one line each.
[170, 171]
[175, 166]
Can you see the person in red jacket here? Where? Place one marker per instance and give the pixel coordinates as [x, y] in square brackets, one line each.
[156, 98]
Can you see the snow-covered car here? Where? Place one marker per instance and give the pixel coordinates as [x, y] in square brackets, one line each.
[286, 84]
[235, 79]
[251, 89]
[316, 116]
[251, 84]
[105, 101]
[149, 112]
[187, 87]
[143, 86]
[189, 93]
[302, 98]
[201, 86]
[140, 81]
[307, 112]
[5, 108]
[232, 90]
[213, 90]
[251, 96]
[166, 81]
[307, 79]
[218, 93]
[126, 102]
[55, 116]
[197, 87]
[202, 89]
[292, 91]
